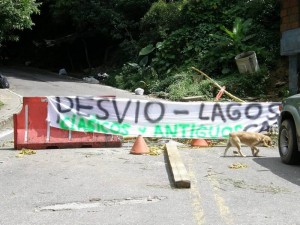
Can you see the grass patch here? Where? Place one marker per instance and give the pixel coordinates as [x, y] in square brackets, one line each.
[1, 104]
[241, 85]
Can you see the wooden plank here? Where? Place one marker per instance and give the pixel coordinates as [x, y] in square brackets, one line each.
[179, 172]
[193, 98]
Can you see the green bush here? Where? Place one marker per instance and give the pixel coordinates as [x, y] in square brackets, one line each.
[205, 11]
[183, 47]
[187, 85]
[161, 19]
[135, 76]
[247, 85]
[181, 34]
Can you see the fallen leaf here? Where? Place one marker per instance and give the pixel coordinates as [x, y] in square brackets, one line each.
[237, 166]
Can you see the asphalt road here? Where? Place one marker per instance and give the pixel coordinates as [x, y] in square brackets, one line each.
[111, 186]
[34, 82]
[236, 190]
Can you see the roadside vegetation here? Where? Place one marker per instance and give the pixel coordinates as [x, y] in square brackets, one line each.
[15, 16]
[154, 44]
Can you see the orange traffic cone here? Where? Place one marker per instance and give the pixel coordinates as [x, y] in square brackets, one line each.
[199, 143]
[140, 146]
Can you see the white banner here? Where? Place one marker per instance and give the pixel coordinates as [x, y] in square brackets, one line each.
[155, 118]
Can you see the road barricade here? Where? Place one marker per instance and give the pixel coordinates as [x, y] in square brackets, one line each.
[31, 130]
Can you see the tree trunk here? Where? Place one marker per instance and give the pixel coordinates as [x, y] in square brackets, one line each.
[86, 54]
[70, 59]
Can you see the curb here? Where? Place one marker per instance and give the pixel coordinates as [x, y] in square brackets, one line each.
[12, 104]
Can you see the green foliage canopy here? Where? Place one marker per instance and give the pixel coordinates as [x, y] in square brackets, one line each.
[155, 42]
[208, 34]
[15, 15]
[114, 18]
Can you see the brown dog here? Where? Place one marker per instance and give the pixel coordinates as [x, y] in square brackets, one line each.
[250, 139]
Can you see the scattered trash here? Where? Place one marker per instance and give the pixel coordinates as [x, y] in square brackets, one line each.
[156, 150]
[25, 151]
[280, 84]
[27, 63]
[62, 72]
[237, 166]
[3, 82]
[91, 80]
[101, 77]
[139, 91]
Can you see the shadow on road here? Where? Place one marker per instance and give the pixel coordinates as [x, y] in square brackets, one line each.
[169, 171]
[35, 74]
[290, 173]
